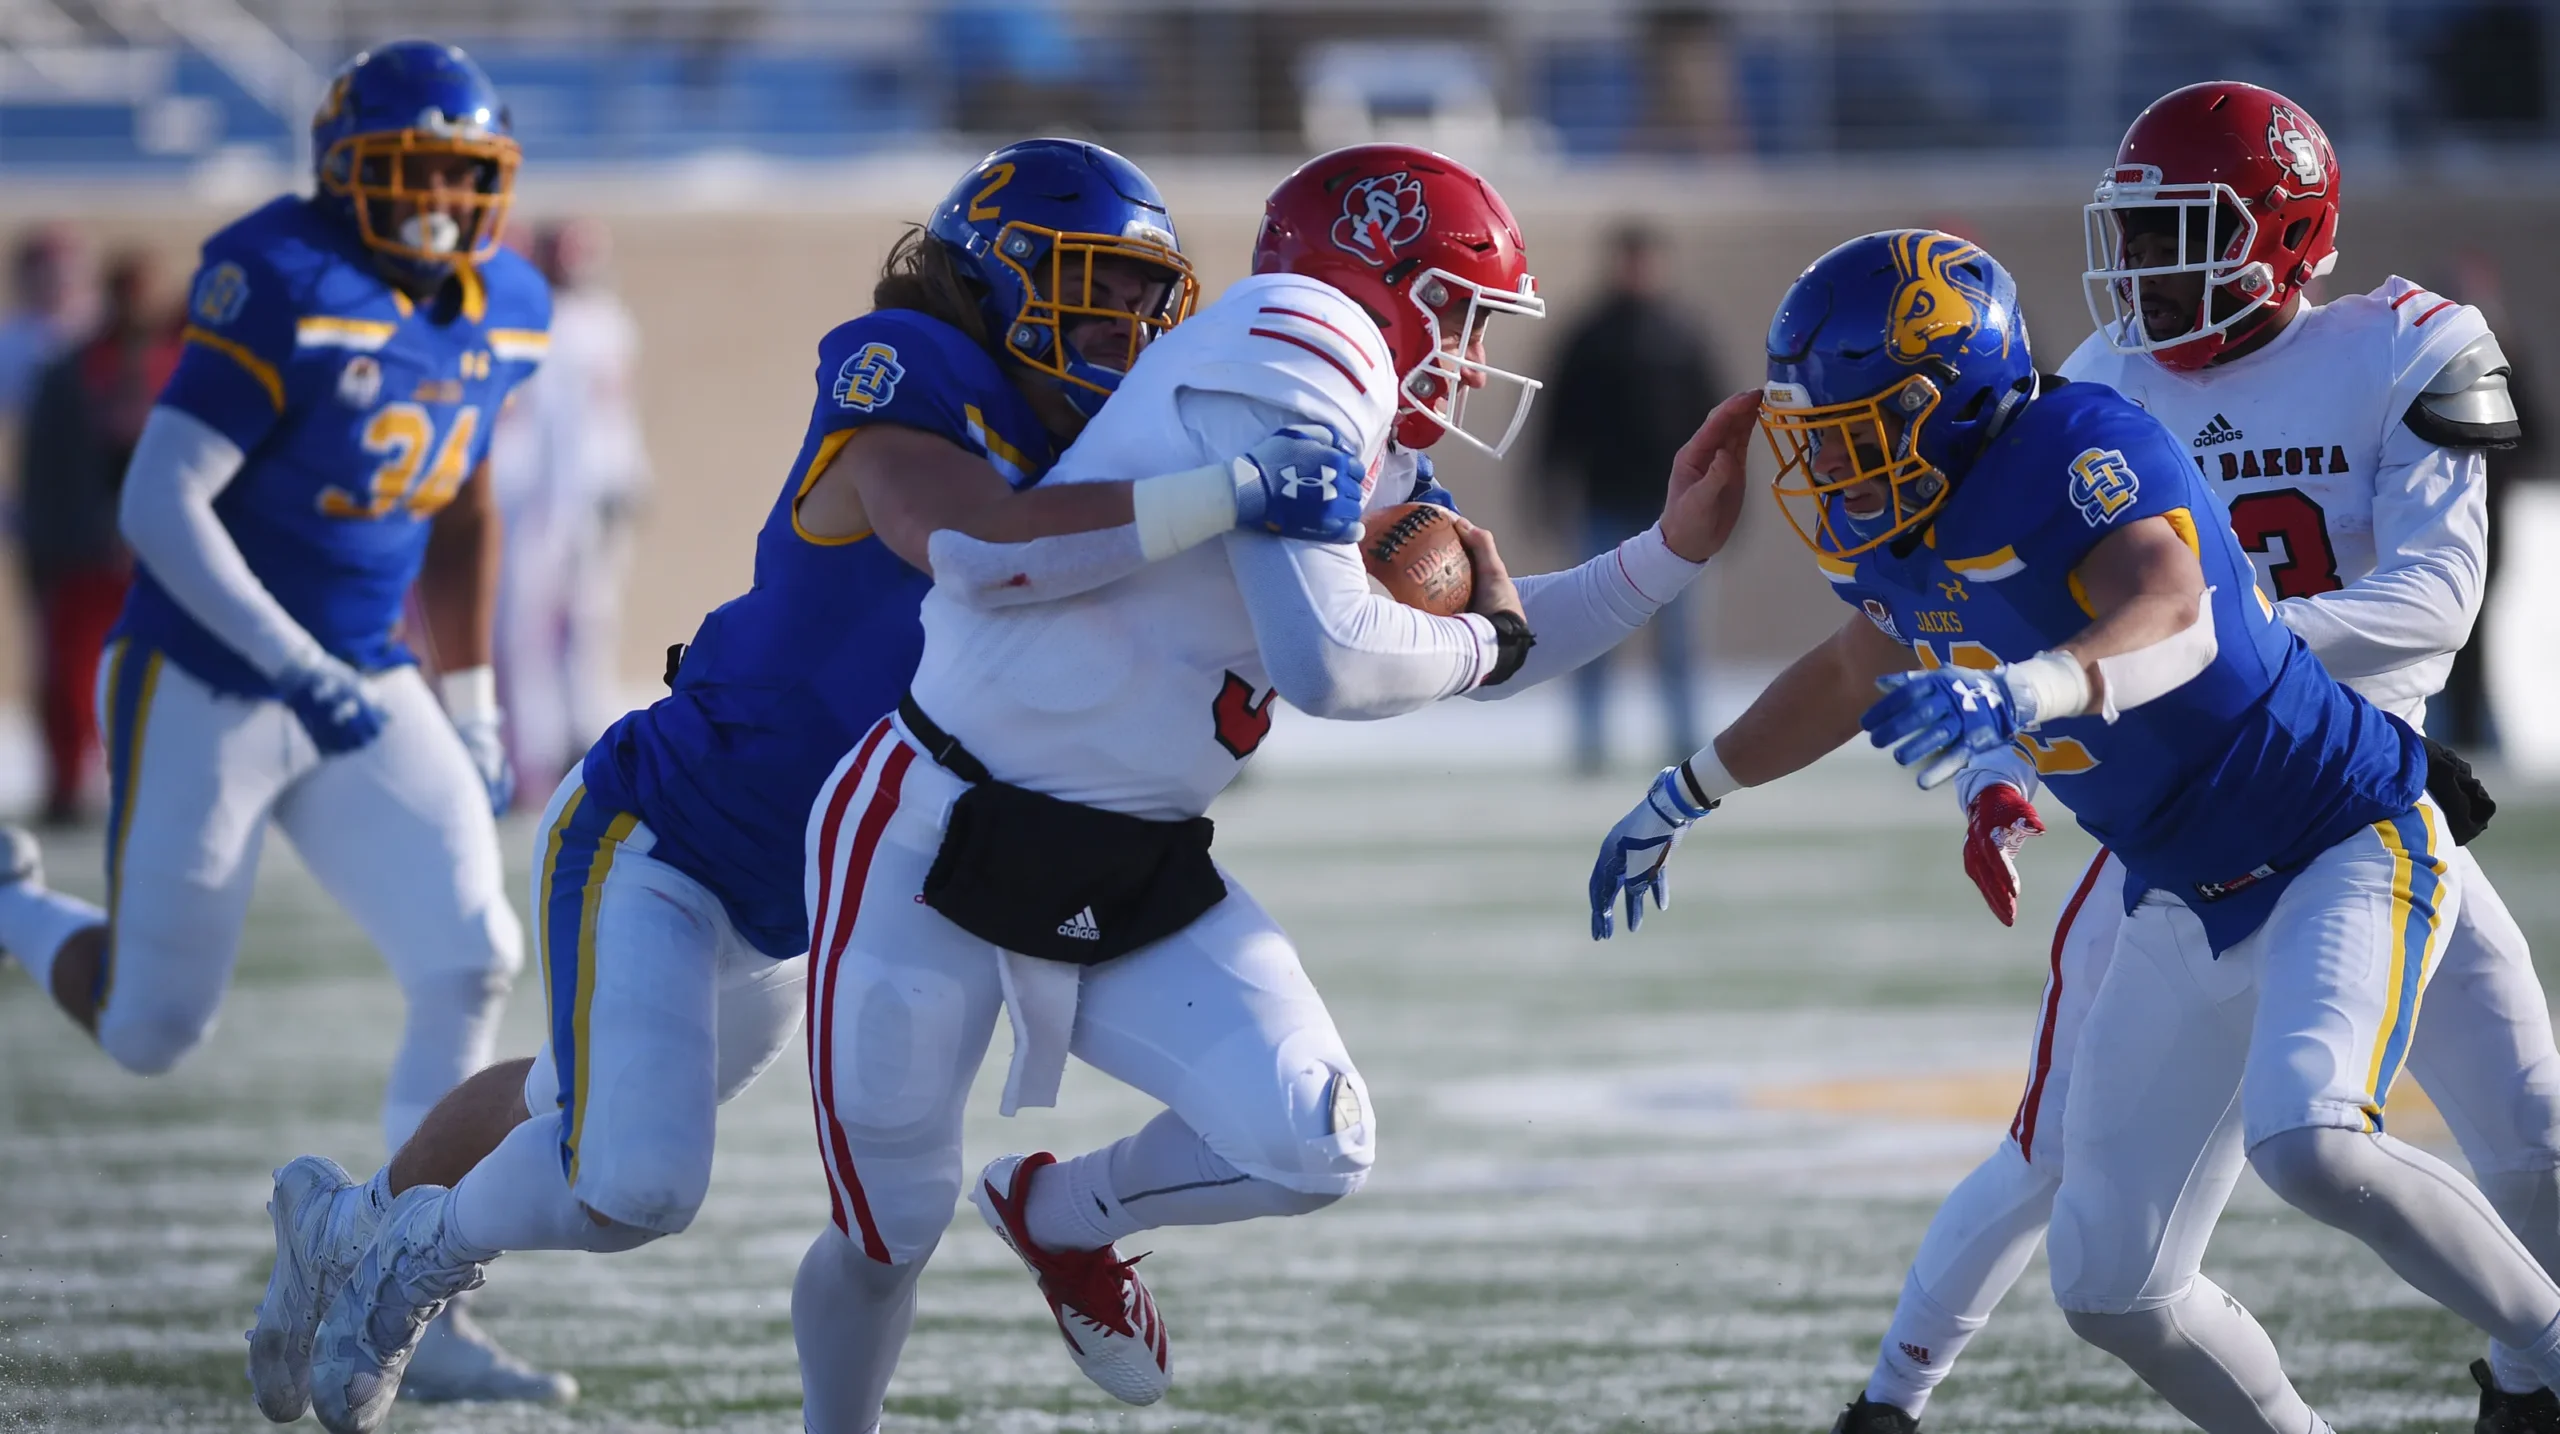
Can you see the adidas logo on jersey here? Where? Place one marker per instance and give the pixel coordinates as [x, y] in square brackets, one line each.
[1081, 926]
[2218, 432]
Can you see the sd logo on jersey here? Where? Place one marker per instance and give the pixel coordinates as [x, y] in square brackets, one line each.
[2102, 484]
[219, 294]
[869, 377]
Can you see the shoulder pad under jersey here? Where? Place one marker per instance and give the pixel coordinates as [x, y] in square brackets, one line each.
[2467, 403]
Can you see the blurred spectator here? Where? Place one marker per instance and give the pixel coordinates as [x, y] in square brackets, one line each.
[1631, 386]
[53, 294]
[571, 469]
[2461, 716]
[82, 421]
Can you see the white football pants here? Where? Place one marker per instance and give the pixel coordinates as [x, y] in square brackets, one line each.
[2483, 1051]
[398, 831]
[660, 1013]
[1218, 1021]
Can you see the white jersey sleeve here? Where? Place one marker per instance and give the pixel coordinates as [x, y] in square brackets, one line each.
[1333, 647]
[1583, 612]
[2430, 517]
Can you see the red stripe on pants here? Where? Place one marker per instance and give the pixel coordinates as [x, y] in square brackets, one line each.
[2023, 1128]
[837, 800]
[866, 841]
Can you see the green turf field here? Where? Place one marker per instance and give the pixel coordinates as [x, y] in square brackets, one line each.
[1666, 1184]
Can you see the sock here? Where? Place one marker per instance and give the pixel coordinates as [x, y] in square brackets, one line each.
[517, 1197]
[2529, 1202]
[1163, 1175]
[1978, 1243]
[377, 1191]
[849, 1316]
[2207, 1356]
[1920, 1346]
[2431, 1226]
[35, 922]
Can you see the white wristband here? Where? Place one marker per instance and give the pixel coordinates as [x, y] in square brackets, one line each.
[471, 692]
[2047, 687]
[1706, 776]
[1176, 511]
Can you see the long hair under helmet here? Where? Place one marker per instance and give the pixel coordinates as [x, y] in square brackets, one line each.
[1028, 224]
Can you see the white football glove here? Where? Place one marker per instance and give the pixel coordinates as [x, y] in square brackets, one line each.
[471, 702]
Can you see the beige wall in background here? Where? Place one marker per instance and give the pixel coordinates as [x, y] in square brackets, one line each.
[731, 303]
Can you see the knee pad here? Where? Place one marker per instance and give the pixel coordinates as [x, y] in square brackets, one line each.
[612, 1237]
[2312, 1168]
[657, 1190]
[148, 1034]
[2138, 1337]
[1315, 1133]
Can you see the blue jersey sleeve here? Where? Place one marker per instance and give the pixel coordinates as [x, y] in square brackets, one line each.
[2112, 466]
[519, 317]
[240, 336]
[894, 366]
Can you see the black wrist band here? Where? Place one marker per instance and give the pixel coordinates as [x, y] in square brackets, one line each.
[1512, 641]
[1697, 793]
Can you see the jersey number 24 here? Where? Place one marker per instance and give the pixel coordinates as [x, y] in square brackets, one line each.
[402, 436]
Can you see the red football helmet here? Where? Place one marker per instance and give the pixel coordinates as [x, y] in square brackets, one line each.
[2247, 182]
[1425, 245]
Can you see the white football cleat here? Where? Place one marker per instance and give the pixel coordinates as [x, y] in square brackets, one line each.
[458, 1363]
[323, 1221]
[373, 1323]
[1103, 1309]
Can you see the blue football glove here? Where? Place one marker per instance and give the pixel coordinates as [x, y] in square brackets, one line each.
[1301, 483]
[328, 698]
[1938, 719]
[1633, 854]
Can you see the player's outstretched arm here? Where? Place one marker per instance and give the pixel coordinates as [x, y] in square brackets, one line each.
[180, 464]
[2152, 635]
[458, 587]
[1583, 612]
[1809, 710]
[949, 513]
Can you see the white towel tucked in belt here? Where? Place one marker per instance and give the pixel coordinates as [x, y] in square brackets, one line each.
[1040, 1001]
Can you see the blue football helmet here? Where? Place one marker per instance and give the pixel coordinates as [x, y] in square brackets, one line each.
[1905, 352]
[1031, 223]
[414, 149]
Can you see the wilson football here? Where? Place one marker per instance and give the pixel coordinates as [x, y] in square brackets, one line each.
[1412, 550]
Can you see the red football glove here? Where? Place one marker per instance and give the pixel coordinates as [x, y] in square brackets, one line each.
[1998, 824]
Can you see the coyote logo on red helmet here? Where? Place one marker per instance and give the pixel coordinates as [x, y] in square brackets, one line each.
[1381, 215]
[2289, 140]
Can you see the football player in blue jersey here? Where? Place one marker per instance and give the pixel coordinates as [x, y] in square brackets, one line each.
[319, 450]
[2041, 563]
[670, 919]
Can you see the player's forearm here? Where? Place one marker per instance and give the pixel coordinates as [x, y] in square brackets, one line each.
[1809, 711]
[1583, 612]
[2431, 533]
[1334, 649]
[179, 466]
[458, 584]
[2387, 620]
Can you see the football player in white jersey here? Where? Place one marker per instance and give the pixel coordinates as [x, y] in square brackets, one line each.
[2348, 440]
[1025, 839]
